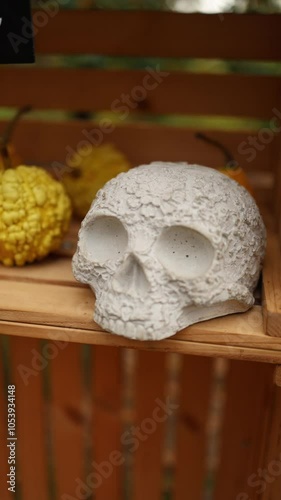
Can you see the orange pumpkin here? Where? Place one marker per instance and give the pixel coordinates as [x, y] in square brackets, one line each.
[231, 169]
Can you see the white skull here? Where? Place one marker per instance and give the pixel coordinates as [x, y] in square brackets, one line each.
[166, 245]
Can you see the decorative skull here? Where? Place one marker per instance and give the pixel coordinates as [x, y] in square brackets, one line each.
[166, 245]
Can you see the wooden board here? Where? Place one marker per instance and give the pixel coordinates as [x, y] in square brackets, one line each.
[108, 459]
[277, 191]
[195, 386]
[270, 484]
[32, 139]
[173, 92]
[146, 442]
[67, 415]
[247, 397]
[272, 288]
[63, 310]
[26, 374]
[159, 34]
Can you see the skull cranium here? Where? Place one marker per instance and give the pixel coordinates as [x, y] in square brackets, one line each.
[166, 245]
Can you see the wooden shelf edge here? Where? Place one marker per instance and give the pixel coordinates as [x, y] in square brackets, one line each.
[172, 345]
[44, 301]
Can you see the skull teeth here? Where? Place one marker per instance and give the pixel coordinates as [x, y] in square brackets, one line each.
[122, 328]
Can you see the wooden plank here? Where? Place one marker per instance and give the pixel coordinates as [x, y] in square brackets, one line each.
[67, 416]
[272, 288]
[276, 160]
[72, 306]
[77, 311]
[161, 142]
[269, 480]
[107, 426]
[180, 93]
[147, 439]
[277, 375]
[196, 383]
[26, 374]
[52, 270]
[27, 308]
[160, 34]
[4, 467]
[267, 352]
[247, 396]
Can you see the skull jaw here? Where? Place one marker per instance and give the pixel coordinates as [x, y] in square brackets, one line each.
[134, 330]
[195, 314]
[137, 330]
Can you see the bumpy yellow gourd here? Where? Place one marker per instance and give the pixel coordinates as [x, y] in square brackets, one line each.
[89, 173]
[34, 214]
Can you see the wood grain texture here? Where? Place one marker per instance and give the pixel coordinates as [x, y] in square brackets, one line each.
[246, 349]
[270, 484]
[276, 159]
[52, 270]
[67, 418]
[147, 443]
[179, 93]
[160, 34]
[247, 399]
[272, 288]
[61, 309]
[26, 374]
[55, 141]
[195, 386]
[277, 375]
[107, 426]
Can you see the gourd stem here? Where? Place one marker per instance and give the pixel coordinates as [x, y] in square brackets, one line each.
[228, 155]
[7, 134]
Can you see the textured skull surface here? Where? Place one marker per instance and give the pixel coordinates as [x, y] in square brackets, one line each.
[167, 245]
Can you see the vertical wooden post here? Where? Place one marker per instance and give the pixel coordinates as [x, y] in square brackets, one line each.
[27, 365]
[196, 384]
[106, 470]
[67, 418]
[249, 397]
[269, 473]
[277, 171]
[146, 439]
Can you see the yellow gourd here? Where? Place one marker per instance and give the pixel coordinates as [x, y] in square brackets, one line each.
[35, 211]
[89, 173]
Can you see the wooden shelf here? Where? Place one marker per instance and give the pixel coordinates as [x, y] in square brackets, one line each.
[43, 300]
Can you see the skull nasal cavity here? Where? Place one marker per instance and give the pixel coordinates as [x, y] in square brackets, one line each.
[131, 277]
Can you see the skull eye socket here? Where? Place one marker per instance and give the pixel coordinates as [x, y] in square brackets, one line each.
[184, 252]
[104, 239]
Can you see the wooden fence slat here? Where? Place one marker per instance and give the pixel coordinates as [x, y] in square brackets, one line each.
[178, 93]
[276, 160]
[67, 417]
[107, 426]
[147, 438]
[46, 142]
[271, 457]
[4, 467]
[196, 383]
[159, 34]
[26, 374]
[247, 390]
